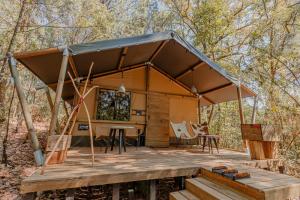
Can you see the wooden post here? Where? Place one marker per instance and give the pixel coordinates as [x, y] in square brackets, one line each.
[199, 110]
[147, 82]
[254, 110]
[152, 195]
[66, 110]
[59, 89]
[38, 155]
[239, 94]
[116, 192]
[211, 114]
[51, 105]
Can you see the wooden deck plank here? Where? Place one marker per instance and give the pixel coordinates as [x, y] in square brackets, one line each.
[149, 164]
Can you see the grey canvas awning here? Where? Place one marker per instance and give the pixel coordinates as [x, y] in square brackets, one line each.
[166, 51]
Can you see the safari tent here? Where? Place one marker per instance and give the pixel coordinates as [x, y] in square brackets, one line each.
[158, 71]
[163, 79]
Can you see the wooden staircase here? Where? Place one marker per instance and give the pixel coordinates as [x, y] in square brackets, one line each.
[201, 188]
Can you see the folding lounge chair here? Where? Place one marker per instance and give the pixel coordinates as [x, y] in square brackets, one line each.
[181, 132]
[203, 133]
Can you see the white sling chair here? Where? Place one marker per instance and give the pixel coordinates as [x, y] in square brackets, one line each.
[181, 132]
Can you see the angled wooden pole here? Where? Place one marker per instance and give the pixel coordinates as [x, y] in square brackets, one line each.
[59, 89]
[239, 94]
[47, 91]
[211, 114]
[38, 155]
[253, 118]
[241, 111]
[66, 109]
[199, 110]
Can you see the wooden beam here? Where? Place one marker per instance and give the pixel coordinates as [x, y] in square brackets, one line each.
[59, 89]
[211, 114]
[129, 67]
[160, 47]
[254, 110]
[116, 192]
[152, 190]
[103, 73]
[51, 105]
[181, 84]
[28, 54]
[147, 84]
[239, 94]
[66, 109]
[122, 57]
[216, 88]
[190, 69]
[207, 99]
[38, 155]
[199, 111]
[73, 66]
[173, 79]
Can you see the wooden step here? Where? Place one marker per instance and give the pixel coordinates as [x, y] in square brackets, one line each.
[205, 189]
[177, 196]
[183, 195]
[189, 195]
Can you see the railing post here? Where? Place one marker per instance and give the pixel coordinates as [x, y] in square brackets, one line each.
[59, 89]
[38, 155]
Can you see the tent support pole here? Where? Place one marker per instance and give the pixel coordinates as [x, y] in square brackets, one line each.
[253, 118]
[66, 110]
[59, 88]
[51, 104]
[239, 94]
[38, 155]
[147, 82]
[211, 114]
[199, 111]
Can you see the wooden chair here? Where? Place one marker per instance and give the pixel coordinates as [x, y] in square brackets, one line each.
[181, 132]
[203, 134]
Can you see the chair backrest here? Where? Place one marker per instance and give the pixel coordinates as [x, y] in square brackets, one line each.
[180, 129]
[199, 129]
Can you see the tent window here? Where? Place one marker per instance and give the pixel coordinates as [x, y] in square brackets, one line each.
[113, 105]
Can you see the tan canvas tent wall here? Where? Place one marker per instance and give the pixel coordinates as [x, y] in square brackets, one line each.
[174, 67]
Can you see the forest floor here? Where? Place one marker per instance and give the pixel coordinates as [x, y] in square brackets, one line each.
[20, 162]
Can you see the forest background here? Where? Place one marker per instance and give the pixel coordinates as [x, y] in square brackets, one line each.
[258, 41]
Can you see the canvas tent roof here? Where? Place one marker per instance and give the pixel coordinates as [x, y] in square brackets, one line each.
[166, 51]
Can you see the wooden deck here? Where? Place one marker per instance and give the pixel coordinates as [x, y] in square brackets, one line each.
[146, 164]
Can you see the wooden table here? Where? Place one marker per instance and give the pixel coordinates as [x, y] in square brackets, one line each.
[120, 129]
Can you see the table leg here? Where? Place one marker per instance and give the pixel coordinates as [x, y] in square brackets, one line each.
[216, 144]
[211, 147]
[204, 143]
[124, 140]
[109, 139]
[120, 141]
[138, 139]
[113, 140]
